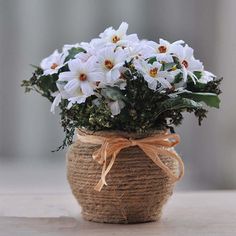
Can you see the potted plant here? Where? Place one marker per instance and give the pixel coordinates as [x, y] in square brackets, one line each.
[123, 97]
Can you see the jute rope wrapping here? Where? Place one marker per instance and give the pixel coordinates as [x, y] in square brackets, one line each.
[136, 187]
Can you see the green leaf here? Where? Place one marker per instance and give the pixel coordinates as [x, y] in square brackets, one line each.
[73, 52]
[151, 60]
[35, 67]
[177, 104]
[210, 99]
[168, 66]
[113, 93]
[198, 74]
[62, 82]
[38, 71]
[48, 83]
[210, 87]
[178, 78]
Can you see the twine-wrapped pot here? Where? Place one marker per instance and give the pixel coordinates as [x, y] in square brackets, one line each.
[136, 190]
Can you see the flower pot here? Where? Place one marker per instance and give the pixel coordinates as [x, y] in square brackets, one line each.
[136, 187]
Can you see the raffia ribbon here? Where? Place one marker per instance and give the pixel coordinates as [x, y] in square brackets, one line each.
[153, 146]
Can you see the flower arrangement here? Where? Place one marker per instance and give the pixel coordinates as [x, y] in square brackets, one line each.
[123, 95]
[119, 82]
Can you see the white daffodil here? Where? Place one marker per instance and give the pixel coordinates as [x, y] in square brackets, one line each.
[152, 74]
[161, 50]
[111, 61]
[59, 95]
[187, 60]
[163, 46]
[82, 75]
[77, 95]
[206, 77]
[137, 50]
[90, 49]
[53, 63]
[119, 37]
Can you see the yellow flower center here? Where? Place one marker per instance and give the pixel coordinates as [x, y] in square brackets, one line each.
[153, 72]
[82, 77]
[54, 66]
[162, 49]
[174, 68]
[108, 64]
[115, 39]
[185, 63]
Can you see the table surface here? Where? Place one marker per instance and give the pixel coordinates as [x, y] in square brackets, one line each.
[187, 213]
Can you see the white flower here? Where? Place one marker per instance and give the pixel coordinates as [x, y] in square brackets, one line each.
[206, 77]
[161, 50]
[163, 46]
[59, 95]
[152, 74]
[187, 60]
[119, 36]
[77, 95]
[137, 50]
[82, 75]
[53, 63]
[90, 49]
[111, 60]
[56, 101]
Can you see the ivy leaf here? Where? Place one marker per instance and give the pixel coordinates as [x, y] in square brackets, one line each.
[73, 52]
[38, 71]
[48, 83]
[210, 99]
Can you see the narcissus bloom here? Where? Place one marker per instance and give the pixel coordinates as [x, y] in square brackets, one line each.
[111, 60]
[82, 75]
[153, 74]
[53, 63]
[119, 37]
[188, 62]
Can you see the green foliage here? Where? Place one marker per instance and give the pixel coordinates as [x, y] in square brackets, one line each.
[73, 52]
[113, 93]
[42, 84]
[210, 87]
[210, 99]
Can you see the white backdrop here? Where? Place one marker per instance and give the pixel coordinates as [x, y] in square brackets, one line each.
[31, 29]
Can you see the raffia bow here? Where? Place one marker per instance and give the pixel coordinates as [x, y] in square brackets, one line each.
[154, 147]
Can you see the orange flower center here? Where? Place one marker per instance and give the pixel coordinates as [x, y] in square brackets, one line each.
[115, 39]
[162, 49]
[185, 63]
[54, 66]
[153, 72]
[82, 77]
[108, 64]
